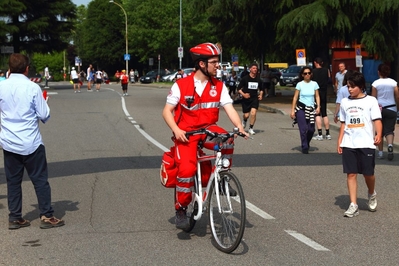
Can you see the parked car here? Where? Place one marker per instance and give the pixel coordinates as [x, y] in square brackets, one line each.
[171, 77]
[290, 76]
[276, 75]
[151, 76]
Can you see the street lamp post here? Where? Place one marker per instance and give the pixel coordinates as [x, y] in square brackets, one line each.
[127, 47]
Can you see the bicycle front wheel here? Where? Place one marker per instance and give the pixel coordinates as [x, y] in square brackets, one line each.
[227, 220]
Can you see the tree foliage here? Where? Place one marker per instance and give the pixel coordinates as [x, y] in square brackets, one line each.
[155, 29]
[253, 29]
[314, 22]
[36, 26]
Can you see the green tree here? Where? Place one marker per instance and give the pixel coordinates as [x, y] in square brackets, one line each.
[54, 61]
[242, 26]
[37, 26]
[315, 24]
[155, 29]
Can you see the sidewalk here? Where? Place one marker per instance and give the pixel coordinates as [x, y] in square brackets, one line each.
[282, 104]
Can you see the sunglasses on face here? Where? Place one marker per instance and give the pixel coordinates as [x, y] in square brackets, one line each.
[307, 73]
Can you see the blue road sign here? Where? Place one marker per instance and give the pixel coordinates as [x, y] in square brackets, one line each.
[126, 56]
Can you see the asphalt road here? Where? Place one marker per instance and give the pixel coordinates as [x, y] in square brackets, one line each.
[104, 154]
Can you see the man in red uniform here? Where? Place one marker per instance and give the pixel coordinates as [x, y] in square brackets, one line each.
[193, 103]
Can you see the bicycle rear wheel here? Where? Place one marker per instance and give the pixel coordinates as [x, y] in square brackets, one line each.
[227, 225]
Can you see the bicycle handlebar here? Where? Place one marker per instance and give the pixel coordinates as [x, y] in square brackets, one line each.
[223, 136]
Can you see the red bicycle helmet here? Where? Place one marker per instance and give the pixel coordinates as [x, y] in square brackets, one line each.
[204, 51]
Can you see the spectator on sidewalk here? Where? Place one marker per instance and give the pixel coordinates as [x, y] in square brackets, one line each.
[82, 77]
[322, 75]
[99, 79]
[117, 76]
[344, 93]
[361, 130]
[265, 76]
[89, 77]
[386, 91]
[75, 80]
[244, 72]
[22, 108]
[131, 76]
[232, 84]
[339, 77]
[303, 109]
[46, 76]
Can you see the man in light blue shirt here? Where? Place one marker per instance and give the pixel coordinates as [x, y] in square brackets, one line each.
[22, 106]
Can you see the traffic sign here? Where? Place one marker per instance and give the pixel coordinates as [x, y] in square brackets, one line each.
[301, 57]
[180, 52]
[358, 49]
[78, 61]
[126, 57]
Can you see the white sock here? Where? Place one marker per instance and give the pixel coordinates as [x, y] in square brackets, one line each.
[380, 153]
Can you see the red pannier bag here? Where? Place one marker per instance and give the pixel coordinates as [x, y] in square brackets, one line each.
[168, 172]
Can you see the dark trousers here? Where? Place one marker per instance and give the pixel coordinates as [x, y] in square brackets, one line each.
[306, 129]
[36, 167]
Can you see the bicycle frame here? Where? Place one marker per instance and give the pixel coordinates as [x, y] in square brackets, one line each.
[201, 198]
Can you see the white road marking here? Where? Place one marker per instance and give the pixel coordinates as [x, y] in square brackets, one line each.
[307, 241]
[255, 209]
[51, 93]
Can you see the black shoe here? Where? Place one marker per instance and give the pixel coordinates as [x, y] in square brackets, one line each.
[181, 219]
[390, 153]
[305, 151]
[21, 222]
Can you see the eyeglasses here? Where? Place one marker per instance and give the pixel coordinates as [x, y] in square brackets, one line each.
[214, 62]
[307, 73]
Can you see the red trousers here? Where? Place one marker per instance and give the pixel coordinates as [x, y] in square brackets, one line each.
[186, 160]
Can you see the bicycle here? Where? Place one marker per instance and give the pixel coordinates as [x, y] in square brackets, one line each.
[223, 196]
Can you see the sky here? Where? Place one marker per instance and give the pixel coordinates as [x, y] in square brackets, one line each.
[81, 2]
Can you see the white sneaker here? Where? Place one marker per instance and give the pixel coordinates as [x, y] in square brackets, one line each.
[372, 202]
[251, 131]
[318, 137]
[126, 94]
[328, 137]
[380, 155]
[352, 211]
[244, 123]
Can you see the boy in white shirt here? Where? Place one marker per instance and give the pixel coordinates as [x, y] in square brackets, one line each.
[357, 139]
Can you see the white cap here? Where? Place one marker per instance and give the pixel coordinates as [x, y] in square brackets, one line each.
[73, 68]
